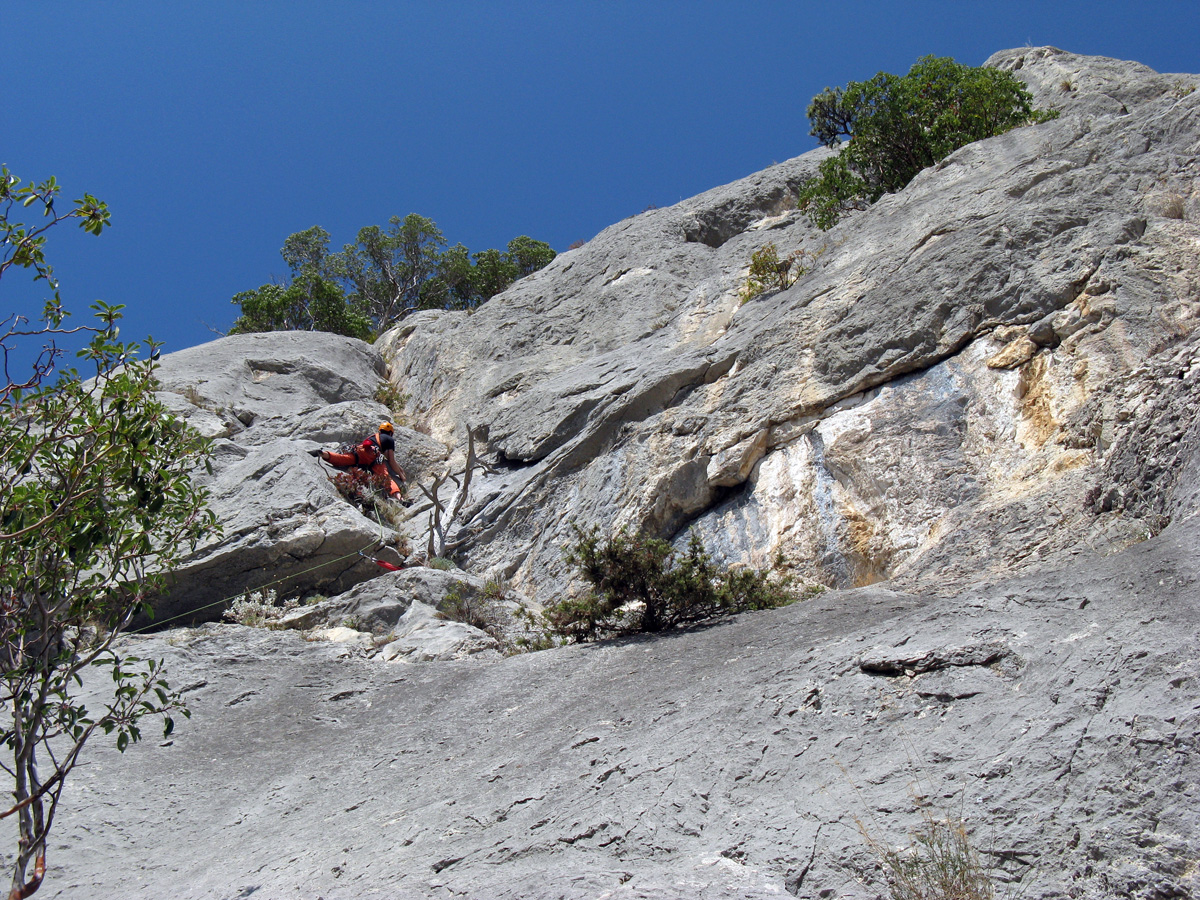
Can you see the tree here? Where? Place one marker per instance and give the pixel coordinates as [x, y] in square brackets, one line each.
[899, 125]
[389, 271]
[465, 280]
[96, 506]
[23, 245]
[529, 255]
[443, 515]
[307, 252]
[454, 285]
[493, 272]
[386, 274]
[311, 300]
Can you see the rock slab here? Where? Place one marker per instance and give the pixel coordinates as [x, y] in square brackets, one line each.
[1057, 714]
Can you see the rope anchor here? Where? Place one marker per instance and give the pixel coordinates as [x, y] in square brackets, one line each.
[382, 563]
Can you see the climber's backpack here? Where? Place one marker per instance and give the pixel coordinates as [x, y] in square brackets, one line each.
[364, 448]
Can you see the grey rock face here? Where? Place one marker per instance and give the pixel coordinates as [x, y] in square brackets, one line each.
[915, 403]
[267, 381]
[1056, 714]
[975, 420]
[266, 399]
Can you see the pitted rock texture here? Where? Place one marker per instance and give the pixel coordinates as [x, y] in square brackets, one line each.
[1058, 714]
[913, 402]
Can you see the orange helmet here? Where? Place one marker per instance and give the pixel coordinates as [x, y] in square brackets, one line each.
[386, 427]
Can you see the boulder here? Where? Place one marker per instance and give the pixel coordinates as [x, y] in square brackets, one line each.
[283, 527]
[377, 606]
[353, 642]
[423, 635]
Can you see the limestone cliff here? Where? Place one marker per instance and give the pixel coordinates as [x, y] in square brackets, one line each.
[938, 396]
[974, 419]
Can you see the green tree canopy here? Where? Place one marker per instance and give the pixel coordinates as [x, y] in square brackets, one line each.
[898, 125]
[311, 300]
[470, 279]
[388, 269]
[383, 276]
[529, 255]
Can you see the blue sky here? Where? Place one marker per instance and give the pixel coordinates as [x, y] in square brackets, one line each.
[214, 130]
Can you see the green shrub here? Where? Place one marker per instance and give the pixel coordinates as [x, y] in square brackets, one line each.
[368, 492]
[899, 125]
[642, 584]
[770, 273]
[394, 399]
[533, 631]
[477, 610]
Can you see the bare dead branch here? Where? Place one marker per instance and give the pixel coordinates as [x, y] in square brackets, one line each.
[441, 518]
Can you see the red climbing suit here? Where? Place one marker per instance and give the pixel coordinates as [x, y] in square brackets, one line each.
[366, 455]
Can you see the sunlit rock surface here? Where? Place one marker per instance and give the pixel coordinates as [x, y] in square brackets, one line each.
[943, 378]
[267, 400]
[973, 421]
[1057, 714]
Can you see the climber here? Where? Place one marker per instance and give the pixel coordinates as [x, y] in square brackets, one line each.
[376, 454]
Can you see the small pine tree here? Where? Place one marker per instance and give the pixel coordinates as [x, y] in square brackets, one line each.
[642, 584]
[769, 272]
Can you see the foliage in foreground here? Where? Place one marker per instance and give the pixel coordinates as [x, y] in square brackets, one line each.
[369, 285]
[642, 584]
[96, 506]
[898, 125]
